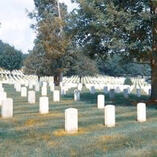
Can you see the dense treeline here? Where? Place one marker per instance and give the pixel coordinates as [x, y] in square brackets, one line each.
[10, 58]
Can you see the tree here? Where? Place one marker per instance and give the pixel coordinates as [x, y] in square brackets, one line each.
[81, 65]
[50, 16]
[119, 26]
[115, 66]
[10, 58]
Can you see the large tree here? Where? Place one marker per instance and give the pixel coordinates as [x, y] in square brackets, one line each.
[118, 26]
[50, 26]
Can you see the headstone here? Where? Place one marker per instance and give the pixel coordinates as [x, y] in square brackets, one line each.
[76, 95]
[71, 120]
[105, 89]
[30, 86]
[92, 90]
[141, 112]
[37, 87]
[79, 87]
[101, 101]
[23, 92]
[112, 94]
[44, 84]
[44, 91]
[31, 97]
[109, 117]
[44, 105]
[18, 87]
[138, 92]
[7, 108]
[52, 87]
[56, 96]
[3, 96]
[126, 93]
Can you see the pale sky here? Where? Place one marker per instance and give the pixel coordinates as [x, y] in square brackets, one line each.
[15, 24]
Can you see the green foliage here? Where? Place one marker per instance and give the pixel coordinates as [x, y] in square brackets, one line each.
[128, 81]
[115, 66]
[81, 65]
[10, 58]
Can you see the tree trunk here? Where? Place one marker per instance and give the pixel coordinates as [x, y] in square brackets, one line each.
[80, 79]
[154, 51]
[154, 82]
[58, 78]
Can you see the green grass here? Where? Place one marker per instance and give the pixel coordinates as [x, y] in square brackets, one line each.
[29, 134]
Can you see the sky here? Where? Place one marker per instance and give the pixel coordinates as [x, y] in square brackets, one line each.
[15, 24]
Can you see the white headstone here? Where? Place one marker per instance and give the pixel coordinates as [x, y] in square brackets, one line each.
[37, 87]
[76, 95]
[7, 108]
[3, 96]
[44, 105]
[56, 96]
[18, 87]
[31, 97]
[71, 120]
[30, 85]
[79, 87]
[101, 101]
[44, 91]
[23, 92]
[141, 112]
[109, 115]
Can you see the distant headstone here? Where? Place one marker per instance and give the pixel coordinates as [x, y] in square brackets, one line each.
[105, 89]
[71, 120]
[109, 117]
[3, 96]
[126, 93]
[23, 92]
[79, 87]
[44, 91]
[37, 87]
[101, 101]
[92, 90]
[76, 95]
[112, 94]
[44, 105]
[31, 97]
[138, 92]
[56, 96]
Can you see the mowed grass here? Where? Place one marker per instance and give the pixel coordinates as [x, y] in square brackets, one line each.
[30, 134]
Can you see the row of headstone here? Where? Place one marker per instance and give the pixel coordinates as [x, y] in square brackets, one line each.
[71, 116]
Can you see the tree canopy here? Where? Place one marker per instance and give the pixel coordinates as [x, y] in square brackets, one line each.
[10, 58]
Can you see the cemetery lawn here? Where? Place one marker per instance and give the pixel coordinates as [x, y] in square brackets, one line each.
[29, 134]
